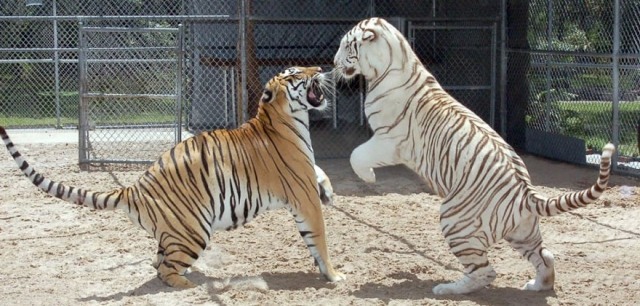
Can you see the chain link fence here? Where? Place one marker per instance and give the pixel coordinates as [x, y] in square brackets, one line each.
[582, 61]
[555, 77]
[130, 93]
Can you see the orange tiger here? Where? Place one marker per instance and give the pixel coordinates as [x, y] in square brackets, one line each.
[219, 180]
[485, 185]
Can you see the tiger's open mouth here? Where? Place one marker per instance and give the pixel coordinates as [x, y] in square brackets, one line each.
[314, 93]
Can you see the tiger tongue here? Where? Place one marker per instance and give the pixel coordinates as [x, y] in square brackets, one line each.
[311, 97]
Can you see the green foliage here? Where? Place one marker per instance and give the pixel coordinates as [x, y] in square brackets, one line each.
[554, 95]
[592, 80]
[545, 112]
[559, 112]
[592, 121]
[576, 25]
[131, 119]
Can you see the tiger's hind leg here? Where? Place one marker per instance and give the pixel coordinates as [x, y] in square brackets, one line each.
[477, 271]
[527, 240]
[173, 263]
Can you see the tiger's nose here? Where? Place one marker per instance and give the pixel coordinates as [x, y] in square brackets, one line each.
[319, 69]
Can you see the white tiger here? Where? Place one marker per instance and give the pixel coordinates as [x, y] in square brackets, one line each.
[485, 185]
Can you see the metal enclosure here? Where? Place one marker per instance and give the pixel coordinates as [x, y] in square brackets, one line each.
[557, 78]
[125, 72]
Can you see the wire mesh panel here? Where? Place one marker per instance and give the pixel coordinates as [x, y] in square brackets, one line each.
[130, 93]
[231, 49]
[34, 87]
[463, 60]
[582, 70]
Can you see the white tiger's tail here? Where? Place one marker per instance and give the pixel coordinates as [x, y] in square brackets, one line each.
[95, 200]
[569, 201]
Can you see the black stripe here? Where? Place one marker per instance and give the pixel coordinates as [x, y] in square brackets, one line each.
[304, 233]
[106, 199]
[246, 210]
[598, 188]
[60, 191]
[38, 179]
[118, 199]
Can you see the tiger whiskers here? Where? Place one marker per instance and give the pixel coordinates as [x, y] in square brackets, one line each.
[327, 87]
[337, 75]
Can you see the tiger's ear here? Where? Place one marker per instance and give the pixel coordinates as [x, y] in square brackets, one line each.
[368, 35]
[267, 95]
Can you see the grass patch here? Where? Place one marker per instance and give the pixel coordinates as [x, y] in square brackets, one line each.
[26, 122]
[143, 118]
[593, 122]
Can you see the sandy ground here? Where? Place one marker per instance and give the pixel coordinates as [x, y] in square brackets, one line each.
[384, 237]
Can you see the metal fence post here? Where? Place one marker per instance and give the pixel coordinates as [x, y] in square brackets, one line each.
[243, 60]
[492, 103]
[615, 58]
[82, 84]
[179, 59]
[503, 69]
[547, 101]
[56, 65]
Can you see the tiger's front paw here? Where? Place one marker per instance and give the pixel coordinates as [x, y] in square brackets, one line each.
[336, 277]
[366, 174]
[361, 164]
[324, 186]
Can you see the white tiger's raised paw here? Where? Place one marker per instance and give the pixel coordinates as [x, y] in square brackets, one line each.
[361, 163]
[366, 174]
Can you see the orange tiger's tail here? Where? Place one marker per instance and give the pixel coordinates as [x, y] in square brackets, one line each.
[95, 200]
[569, 201]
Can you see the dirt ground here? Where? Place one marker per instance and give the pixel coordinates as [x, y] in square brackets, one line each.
[384, 237]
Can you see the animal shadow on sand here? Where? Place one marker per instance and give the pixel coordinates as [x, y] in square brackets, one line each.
[293, 281]
[150, 287]
[395, 237]
[391, 179]
[412, 288]
[296, 281]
